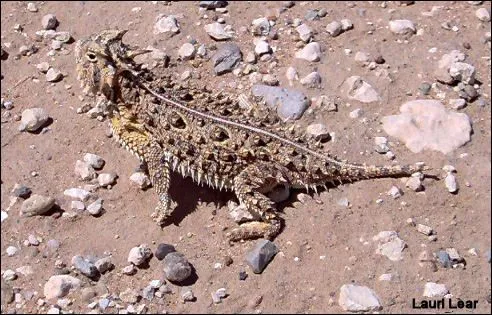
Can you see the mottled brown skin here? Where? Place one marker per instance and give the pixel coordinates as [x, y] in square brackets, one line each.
[207, 135]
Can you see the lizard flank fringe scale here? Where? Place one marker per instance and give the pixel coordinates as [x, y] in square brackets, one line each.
[208, 136]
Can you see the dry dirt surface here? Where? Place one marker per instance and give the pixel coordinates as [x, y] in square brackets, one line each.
[326, 242]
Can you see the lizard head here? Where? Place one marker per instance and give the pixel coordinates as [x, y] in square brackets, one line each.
[101, 59]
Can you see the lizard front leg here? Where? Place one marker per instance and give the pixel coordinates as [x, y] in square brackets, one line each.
[159, 170]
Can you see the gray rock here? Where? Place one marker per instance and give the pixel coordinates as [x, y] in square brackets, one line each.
[437, 128]
[425, 88]
[312, 80]
[334, 28]
[395, 192]
[33, 119]
[63, 37]
[21, 191]
[355, 88]
[166, 24]
[94, 160]
[37, 205]
[305, 32]
[250, 58]
[84, 266]
[31, 7]
[443, 259]
[148, 292]
[139, 255]
[49, 22]
[84, 170]
[129, 270]
[60, 285]
[468, 92]
[106, 179]
[270, 79]
[291, 75]
[414, 183]
[176, 267]
[260, 27]
[262, 47]
[95, 208]
[9, 275]
[390, 245]
[7, 293]
[259, 257]
[290, 104]
[239, 213]
[213, 4]
[104, 303]
[432, 290]
[326, 103]
[141, 179]
[312, 15]
[346, 24]
[163, 249]
[402, 27]
[217, 31]
[33, 241]
[77, 193]
[310, 52]
[53, 75]
[226, 58]
[483, 15]
[356, 298]
[56, 44]
[186, 51]
[104, 264]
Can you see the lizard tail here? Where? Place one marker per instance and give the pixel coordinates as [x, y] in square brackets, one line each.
[354, 171]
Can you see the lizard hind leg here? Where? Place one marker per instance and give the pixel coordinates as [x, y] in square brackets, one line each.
[248, 186]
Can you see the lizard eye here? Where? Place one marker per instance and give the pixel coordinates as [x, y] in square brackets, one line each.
[91, 57]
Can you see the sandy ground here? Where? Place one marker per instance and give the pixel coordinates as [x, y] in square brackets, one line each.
[297, 280]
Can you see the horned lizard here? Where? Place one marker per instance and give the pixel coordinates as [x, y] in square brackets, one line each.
[208, 136]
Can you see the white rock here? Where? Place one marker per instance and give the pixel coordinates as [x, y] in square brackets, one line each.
[165, 24]
[31, 7]
[457, 104]
[187, 51]
[49, 22]
[260, 27]
[390, 245]
[139, 255]
[217, 31]
[9, 275]
[402, 27]
[105, 179]
[84, 170]
[94, 160]
[361, 56]
[313, 79]
[11, 251]
[60, 285]
[414, 183]
[291, 75]
[5, 215]
[356, 113]
[426, 124]
[77, 205]
[43, 67]
[77, 193]
[95, 208]
[305, 32]
[355, 298]
[462, 72]
[432, 290]
[355, 88]
[424, 229]
[346, 24]
[334, 28]
[395, 192]
[33, 118]
[310, 52]
[239, 213]
[386, 277]
[318, 130]
[449, 168]
[262, 47]
[450, 183]
[483, 15]
[141, 179]
[53, 75]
